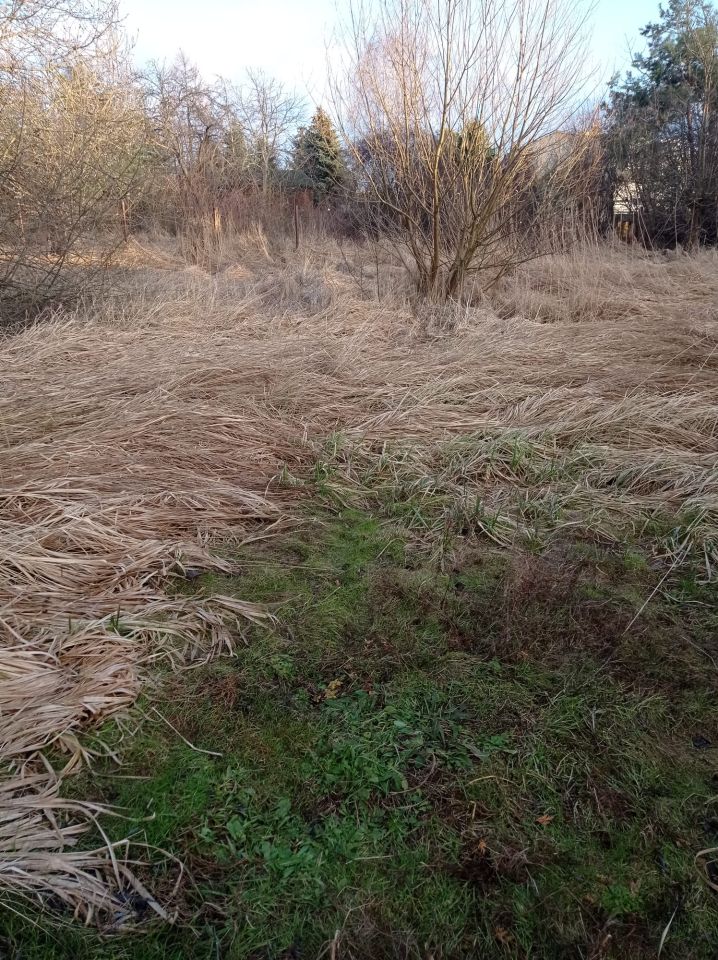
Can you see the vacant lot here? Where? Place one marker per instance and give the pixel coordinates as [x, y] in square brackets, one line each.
[446, 581]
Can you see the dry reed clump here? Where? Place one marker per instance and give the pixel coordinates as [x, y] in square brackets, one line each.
[614, 282]
[138, 429]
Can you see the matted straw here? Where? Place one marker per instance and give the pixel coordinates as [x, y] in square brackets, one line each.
[134, 434]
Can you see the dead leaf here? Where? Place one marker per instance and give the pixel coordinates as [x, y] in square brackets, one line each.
[333, 688]
[503, 936]
[544, 819]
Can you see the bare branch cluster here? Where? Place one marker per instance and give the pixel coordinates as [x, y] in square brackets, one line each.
[455, 114]
[71, 133]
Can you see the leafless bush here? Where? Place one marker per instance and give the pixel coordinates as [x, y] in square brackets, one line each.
[71, 130]
[187, 122]
[447, 107]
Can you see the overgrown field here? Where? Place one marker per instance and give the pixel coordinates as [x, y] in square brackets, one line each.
[337, 626]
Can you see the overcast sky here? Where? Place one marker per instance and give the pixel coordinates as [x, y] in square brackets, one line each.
[287, 38]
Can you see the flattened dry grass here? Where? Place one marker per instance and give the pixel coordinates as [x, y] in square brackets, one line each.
[137, 430]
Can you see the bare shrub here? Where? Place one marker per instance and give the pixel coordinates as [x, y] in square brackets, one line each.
[72, 130]
[446, 108]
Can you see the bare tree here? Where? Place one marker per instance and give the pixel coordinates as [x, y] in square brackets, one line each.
[44, 31]
[185, 113]
[71, 133]
[445, 106]
[269, 114]
[217, 150]
[187, 119]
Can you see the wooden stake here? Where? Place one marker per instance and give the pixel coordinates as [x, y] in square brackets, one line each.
[123, 214]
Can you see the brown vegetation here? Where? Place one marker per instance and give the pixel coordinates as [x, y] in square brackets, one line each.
[140, 429]
[430, 303]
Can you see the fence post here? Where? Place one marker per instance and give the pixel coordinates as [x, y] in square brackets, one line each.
[123, 214]
[296, 224]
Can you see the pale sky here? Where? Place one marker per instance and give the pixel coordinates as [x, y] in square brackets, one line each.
[287, 38]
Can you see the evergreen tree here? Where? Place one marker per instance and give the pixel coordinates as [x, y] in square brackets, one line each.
[318, 156]
[663, 121]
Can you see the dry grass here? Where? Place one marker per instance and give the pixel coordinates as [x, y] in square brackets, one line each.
[139, 428]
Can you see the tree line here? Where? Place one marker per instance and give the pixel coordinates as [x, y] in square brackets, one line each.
[92, 148]
[661, 124]
[457, 134]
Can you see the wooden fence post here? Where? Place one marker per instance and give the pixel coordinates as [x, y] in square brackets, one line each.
[125, 225]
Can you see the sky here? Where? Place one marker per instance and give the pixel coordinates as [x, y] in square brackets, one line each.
[287, 38]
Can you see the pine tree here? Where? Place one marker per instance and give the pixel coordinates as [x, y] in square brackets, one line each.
[318, 156]
[663, 121]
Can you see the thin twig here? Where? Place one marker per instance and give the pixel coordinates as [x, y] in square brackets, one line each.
[211, 753]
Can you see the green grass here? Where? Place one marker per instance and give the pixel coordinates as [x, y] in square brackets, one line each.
[480, 757]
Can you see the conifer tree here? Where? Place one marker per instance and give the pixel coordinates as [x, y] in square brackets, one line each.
[318, 156]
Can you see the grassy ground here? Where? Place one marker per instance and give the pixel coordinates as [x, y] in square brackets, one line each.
[443, 748]
[483, 720]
